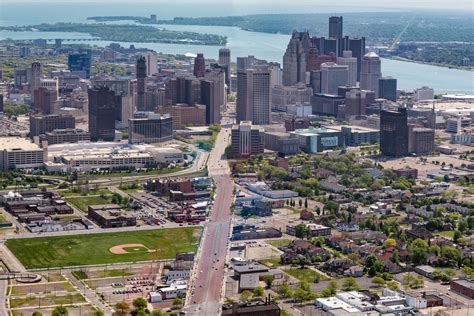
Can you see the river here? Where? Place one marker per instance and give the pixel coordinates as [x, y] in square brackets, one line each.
[242, 43]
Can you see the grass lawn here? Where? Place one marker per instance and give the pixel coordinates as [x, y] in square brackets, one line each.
[88, 249]
[3, 219]
[67, 193]
[279, 242]
[271, 262]
[82, 202]
[305, 274]
[449, 234]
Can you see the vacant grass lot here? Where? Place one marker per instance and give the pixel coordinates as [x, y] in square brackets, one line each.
[91, 249]
[82, 202]
[305, 274]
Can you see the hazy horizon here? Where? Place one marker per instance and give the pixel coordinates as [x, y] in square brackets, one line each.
[460, 5]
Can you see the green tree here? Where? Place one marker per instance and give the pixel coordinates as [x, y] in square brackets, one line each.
[156, 312]
[245, 296]
[392, 285]
[258, 291]
[285, 291]
[59, 311]
[301, 231]
[268, 278]
[36, 313]
[378, 281]
[177, 302]
[140, 303]
[97, 312]
[456, 235]
[122, 307]
[350, 284]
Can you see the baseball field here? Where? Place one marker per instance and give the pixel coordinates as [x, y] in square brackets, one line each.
[88, 249]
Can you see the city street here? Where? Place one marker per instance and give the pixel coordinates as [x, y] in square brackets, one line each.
[207, 283]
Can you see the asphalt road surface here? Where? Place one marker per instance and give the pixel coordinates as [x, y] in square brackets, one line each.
[207, 284]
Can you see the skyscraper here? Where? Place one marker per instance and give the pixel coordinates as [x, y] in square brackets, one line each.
[357, 47]
[81, 62]
[370, 72]
[102, 107]
[388, 88]
[45, 100]
[224, 62]
[335, 27]
[209, 99]
[394, 132]
[199, 65]
[224, 56]
[351, 63]
[294, 59]
[149, 128]
[35, 80]
[40, 124]
[333, 76]
[151, 63]
[141, 82]
[253, 95]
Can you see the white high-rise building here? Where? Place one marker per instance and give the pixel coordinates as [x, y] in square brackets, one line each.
[351, 63]
[333, 76]
[371, 72]
[423, 94]
[253, 95]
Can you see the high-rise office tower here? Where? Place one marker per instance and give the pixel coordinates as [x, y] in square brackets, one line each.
[58, 43]
[371, 72]
[1, 103]
[217, 74]
[335, 27]
[24, 51]
[245, 62]
[358, 49]
[81, 62]
[124, 89]
[141, 83]
[224, 56]
[333, 76]
[151, 63]
[149, 128]
[35, 80]
[355, 102]
[253, 95]
[294, 59]
[40, 124]
[394, 132]
[209, 99]
[388, 88]
[199, 65]
[102, 108]
[224, 62]
[351, 63]
[247, 140]
[45, 100]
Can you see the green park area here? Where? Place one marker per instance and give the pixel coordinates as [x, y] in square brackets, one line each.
[90, 249]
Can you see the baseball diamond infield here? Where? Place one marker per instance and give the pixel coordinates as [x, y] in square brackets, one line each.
[104, 248]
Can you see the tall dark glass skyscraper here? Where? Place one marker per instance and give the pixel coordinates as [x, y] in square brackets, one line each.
[141, 83]
[81, 62]
[388, 88]
[335, 27]
[394, 132]
[102, 106]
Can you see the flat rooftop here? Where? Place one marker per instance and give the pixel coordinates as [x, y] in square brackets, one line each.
[17, 143]
[354, 128]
